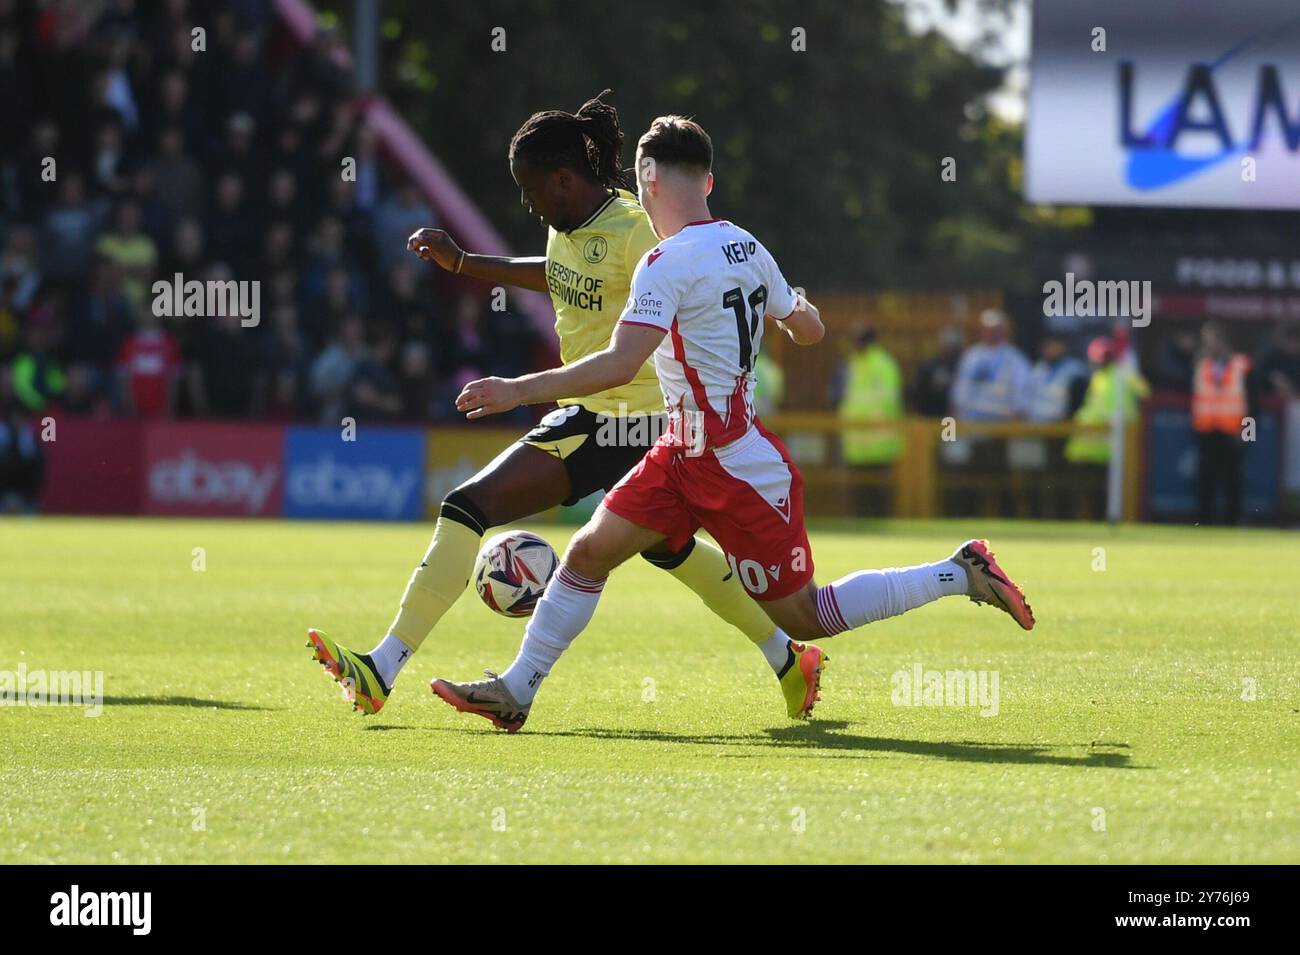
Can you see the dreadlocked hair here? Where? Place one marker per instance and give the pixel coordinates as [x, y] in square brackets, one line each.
[589, 141]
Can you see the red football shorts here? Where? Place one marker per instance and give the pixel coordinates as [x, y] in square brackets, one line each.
[748, 495]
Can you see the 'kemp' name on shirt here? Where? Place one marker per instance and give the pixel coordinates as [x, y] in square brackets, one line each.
[737, 252]
[574, 288]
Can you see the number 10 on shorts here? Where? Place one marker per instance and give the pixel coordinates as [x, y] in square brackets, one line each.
[756, 578]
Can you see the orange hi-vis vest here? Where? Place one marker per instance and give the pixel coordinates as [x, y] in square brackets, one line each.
[1219, 402]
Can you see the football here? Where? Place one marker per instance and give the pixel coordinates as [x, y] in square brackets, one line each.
[512, 572]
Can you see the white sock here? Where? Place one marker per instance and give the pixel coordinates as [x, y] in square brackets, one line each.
[871, 595]
[389, 657]
[562, 613]
[776, 649]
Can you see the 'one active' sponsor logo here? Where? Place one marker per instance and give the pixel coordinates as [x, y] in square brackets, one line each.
[75, 907]
[645, 305]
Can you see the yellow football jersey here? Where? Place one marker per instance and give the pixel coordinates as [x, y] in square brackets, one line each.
[589, 272]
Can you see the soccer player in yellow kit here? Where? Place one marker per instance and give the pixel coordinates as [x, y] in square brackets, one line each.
[567, 167]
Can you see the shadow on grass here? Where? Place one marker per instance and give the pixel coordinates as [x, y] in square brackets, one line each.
[180, 701]
[383, 727]
[825, 737]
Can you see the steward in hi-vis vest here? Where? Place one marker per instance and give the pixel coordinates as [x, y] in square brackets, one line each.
[1219, 394]
[1098, 407]
[1219, 407]
[873, 389]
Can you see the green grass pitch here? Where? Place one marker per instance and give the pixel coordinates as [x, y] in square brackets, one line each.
[1125, 730]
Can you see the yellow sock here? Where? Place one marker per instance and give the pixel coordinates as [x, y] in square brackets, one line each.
[436, 584]
[706, 571]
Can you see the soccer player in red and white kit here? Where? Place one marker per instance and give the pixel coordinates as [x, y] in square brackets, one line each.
[698, 303]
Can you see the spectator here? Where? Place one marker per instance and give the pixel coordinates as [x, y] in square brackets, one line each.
[98, 321]
[279, 249]
[1176, 361]
[341, 204]
[337, 134]
[1089, 452]
[21, 460]
[290, 152]
[1055, 386]
[416, 382]
[464, 352]
[232, 231]
[374, 392]
[36, 193]
[283, 199]
[131, 251]
[990, 380]
[1054, 390]
[1218, 410]
[395, 219]
[769, 384]
[186, 250]
[873, 389]
[13, 105]
[328, 276]
[222, 370]
[20, 265]
[68, 231]
[342, 293]
[1098, 408]
[149, 368]
[332, 371]
[238, 154]
[175, 110]
[246, 83]
[1277, 371]
[406, 294]
[177, 178]
[934, 378]
[10, 319]
[38, 377]
[108, 168]
[283, 367]
[113, 84]
[86, 394]
[368, 174]
[156, 219]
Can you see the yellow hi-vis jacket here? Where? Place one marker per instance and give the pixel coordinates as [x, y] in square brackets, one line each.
[1098, 408]
[874, 390]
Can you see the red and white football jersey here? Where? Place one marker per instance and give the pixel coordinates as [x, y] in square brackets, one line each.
[709, 287]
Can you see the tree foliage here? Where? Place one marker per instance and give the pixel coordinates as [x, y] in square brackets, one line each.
[833, 155]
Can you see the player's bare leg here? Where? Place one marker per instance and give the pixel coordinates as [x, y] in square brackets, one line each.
[563, 612]
[871, 595]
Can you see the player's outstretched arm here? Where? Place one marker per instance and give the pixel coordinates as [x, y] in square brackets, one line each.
[435, 245]
[804, 324]
[616, 365]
